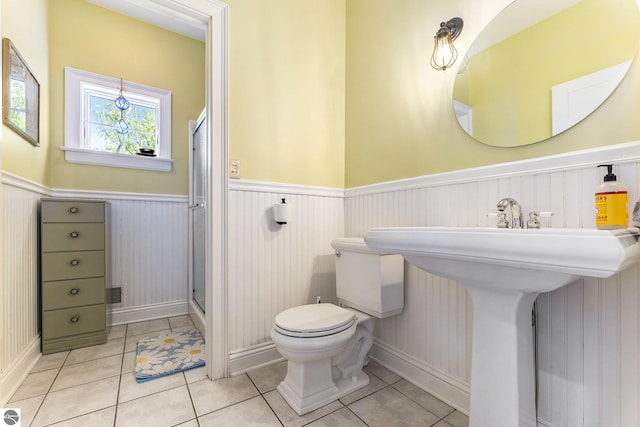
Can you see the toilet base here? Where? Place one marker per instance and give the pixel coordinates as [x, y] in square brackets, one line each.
[342, 387]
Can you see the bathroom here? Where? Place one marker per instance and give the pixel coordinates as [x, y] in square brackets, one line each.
[375, 131]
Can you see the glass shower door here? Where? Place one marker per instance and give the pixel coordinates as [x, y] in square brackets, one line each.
[197, 208]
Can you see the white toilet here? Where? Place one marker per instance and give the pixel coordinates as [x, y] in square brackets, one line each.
[326, 346]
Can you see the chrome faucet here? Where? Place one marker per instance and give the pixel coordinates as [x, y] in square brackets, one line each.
[509, 205]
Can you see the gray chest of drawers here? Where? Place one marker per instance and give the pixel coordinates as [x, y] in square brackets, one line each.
[74, 273]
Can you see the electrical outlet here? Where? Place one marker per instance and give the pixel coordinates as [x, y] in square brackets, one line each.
[234, 168]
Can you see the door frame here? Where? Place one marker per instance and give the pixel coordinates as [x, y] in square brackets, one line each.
[211, 16]
[572, 101]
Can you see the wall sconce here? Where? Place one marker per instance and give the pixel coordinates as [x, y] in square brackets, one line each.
[444, 52]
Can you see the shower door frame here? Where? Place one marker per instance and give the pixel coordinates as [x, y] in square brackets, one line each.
[196, 311]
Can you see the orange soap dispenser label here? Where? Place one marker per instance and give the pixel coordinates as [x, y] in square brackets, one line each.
[611, 209]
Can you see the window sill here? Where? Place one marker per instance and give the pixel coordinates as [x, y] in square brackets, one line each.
[91, 157]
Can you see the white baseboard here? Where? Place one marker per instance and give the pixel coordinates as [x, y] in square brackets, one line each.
[446, 389]
[246, 359]
[121, 316]
[449, 390]
[15, 374]
[197, 316]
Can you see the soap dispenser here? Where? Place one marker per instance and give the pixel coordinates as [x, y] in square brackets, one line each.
[611, 202]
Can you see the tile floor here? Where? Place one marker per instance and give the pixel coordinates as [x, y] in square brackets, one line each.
[95, 386]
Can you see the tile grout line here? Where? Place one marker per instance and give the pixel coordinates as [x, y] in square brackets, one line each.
[357, 416]
[124, 346]
[49, 389]
[49, 392]
[426, 409]
[264, 399]
[91, 412]
[193, 405]
[127, 334]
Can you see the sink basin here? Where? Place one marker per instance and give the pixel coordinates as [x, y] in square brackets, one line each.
[493, 255]
[504, 270]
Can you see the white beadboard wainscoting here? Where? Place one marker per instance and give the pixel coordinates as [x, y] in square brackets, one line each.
[588, 332]
[20, 346]
[148, 253]
[274, 267]
[148, 259]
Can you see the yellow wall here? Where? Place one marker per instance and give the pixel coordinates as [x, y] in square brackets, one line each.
[287, 68]
[287, 71]
[322, 92]
[399, 118]
[25, 23]
[515, 76]
[91, 38]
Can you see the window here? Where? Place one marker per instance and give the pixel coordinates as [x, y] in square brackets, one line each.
[18, 103]
[98, 133]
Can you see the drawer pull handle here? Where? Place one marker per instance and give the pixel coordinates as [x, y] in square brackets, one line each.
[74, 319]
[74, 291]
[74, 234]
[74, 262]
[73, 210]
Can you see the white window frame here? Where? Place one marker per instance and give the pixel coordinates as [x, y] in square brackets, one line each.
[75, 152]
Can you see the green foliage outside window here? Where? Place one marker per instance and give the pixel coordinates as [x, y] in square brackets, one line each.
[141, 121]
[18, 111]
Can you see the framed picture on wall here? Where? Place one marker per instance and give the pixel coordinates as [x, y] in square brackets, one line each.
[20, 96]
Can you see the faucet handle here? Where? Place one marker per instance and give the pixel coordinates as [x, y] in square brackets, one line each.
[546, 215]
[500, 217]
[534, 218]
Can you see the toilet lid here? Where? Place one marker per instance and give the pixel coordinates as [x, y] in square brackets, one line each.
[314, 320]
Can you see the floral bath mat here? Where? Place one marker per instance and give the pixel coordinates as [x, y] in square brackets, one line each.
[168, 354]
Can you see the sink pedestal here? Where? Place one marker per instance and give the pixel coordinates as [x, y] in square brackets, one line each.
[502, 367]
[504, 270]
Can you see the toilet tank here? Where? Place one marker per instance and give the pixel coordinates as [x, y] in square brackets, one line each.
[367, 280]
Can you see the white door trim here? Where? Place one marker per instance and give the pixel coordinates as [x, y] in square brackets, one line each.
[575, 99]
[196, 15]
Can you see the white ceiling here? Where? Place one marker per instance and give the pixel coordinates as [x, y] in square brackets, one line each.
[162, 13]
[519, 15]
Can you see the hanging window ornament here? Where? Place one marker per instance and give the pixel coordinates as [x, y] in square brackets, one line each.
[122, 127]
[122, 104]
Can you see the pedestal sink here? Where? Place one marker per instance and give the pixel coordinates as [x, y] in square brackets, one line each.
[504, 270]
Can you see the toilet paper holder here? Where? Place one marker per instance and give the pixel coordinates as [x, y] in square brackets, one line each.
[281, 212]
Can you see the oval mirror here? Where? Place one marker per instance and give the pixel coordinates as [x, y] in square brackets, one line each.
[541, 66]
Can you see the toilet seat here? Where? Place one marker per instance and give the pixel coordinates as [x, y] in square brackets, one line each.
[313, 320]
